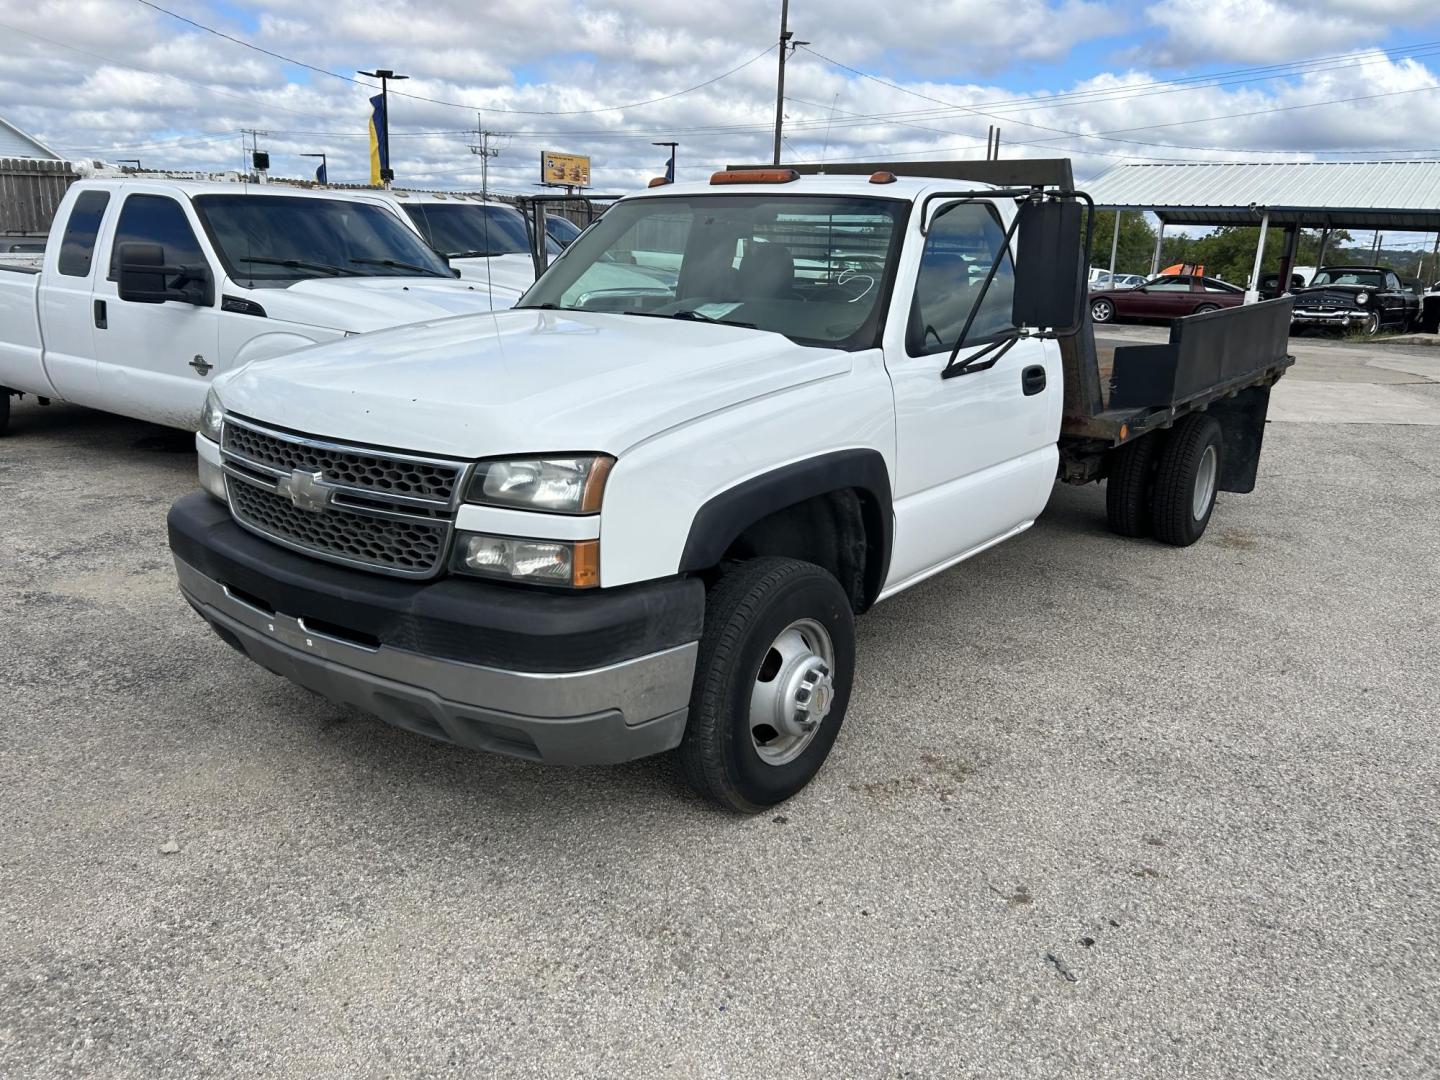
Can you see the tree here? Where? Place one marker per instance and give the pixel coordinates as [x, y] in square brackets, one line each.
[1229, 251]
[1137, 243]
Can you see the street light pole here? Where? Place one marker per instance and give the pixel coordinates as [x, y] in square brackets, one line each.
[387, 174]
[672, 146]
[324, 168]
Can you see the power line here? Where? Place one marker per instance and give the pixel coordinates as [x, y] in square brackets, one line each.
[469, 107]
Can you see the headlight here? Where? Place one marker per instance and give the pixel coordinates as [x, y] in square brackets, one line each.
[212, 417]
[556, 485]
[1363, 298]
[538, 562]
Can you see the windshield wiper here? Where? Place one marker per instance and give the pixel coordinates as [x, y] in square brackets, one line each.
[689, 316]
[397, 264]
[479, 253]
[298, 264]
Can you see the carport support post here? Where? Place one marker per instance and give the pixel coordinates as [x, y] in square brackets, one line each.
[1287, 257]
[1155, 259]
[1324, 243]
[1114, 246]
[1252, 293]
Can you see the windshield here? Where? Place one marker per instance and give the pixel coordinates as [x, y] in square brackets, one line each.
[813, 268]
[1350, 277]
[471, 231]
[275, 238]
[562, 230]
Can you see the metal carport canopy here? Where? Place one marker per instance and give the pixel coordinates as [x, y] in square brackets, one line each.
[1402, 196]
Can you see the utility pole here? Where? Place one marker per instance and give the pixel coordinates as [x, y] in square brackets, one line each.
[486, 152]
[787, 46]
[387, 173]
[259, 161]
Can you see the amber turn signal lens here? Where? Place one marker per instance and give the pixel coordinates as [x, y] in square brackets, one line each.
[754, 176]
[586, 564]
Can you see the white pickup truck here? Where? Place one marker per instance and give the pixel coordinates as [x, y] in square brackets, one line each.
[150, 289]
[603, 525]
[492, 243]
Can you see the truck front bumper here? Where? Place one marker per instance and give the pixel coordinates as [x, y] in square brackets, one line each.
[566, 678]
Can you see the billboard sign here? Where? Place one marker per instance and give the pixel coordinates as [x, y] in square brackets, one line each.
[564, 170]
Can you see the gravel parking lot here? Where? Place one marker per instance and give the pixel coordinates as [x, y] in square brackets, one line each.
[1100, 808]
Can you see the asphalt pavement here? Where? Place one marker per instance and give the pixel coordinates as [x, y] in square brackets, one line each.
[1101, 808]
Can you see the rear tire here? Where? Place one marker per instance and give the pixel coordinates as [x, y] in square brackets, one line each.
[1187, 478]
[1205, 309]
[4, 410]
[1102, 311]
[1127, 489]
[779, 644]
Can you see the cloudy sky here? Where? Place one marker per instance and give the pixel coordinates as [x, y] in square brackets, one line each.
[1101, 82]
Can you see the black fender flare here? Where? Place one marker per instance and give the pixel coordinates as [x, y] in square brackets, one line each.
[721, 520]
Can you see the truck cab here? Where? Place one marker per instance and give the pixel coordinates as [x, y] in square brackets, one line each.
[150, 289]
[623, 519]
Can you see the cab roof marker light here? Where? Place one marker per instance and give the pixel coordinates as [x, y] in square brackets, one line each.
[754, 176]
[657, 181]
[882, 178]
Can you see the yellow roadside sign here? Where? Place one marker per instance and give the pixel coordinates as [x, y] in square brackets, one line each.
[564, 170]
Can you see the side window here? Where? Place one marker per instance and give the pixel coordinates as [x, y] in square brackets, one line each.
[78, 246]
[155, 219]
[1170, 284]
[959, 249]
[1392, 283]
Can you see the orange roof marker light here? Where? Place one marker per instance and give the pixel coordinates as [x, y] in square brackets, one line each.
[882, 178]
[657, 181]
[754, 176]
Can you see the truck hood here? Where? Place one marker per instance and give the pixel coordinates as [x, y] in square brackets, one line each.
[505, 273]
[360, 305]
[525, 381]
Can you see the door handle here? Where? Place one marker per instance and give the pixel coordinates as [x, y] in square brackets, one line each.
[1032, 379]
[101, 323]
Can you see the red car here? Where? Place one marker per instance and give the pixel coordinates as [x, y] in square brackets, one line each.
[1168, 296]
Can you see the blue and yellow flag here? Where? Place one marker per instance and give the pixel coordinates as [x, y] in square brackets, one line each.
[379, 148]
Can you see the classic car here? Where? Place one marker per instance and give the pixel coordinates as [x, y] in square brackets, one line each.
[1364, 298]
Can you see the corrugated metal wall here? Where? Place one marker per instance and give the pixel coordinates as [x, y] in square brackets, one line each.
[30, 191]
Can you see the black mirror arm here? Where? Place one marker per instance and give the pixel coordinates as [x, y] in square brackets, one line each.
[994, 350]
[1000, 253]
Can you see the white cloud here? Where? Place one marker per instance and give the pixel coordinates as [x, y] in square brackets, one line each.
[1270, 31]
[192, 92]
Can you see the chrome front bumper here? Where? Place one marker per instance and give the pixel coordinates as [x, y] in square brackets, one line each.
[1347, 317]
[622, 711]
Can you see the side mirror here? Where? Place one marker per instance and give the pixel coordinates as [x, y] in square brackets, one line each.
[146, 278]
[1050, 257]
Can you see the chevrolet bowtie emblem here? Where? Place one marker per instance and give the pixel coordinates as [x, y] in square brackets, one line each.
[307, 490]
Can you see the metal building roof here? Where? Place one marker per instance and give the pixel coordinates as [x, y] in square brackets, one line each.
[1399, 195]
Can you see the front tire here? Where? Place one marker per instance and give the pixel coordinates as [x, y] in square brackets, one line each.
[1187, 478]
[772, 683]
[1371, 326]
[1102, 311]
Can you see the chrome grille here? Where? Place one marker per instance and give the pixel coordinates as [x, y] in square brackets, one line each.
[395, 545]
[391, 513]
[375, 472]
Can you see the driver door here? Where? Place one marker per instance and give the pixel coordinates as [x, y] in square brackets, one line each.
[975, 454]
[155, 361]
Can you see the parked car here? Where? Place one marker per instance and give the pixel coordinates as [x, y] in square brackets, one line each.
[1430, 309]
[149, 289]
[490, 242]
[1269, 285]
[1168, 296]
[1364, 298]
[596, 527]
[561, 229]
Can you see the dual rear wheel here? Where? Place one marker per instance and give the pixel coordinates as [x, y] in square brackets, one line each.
[1164, 484]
